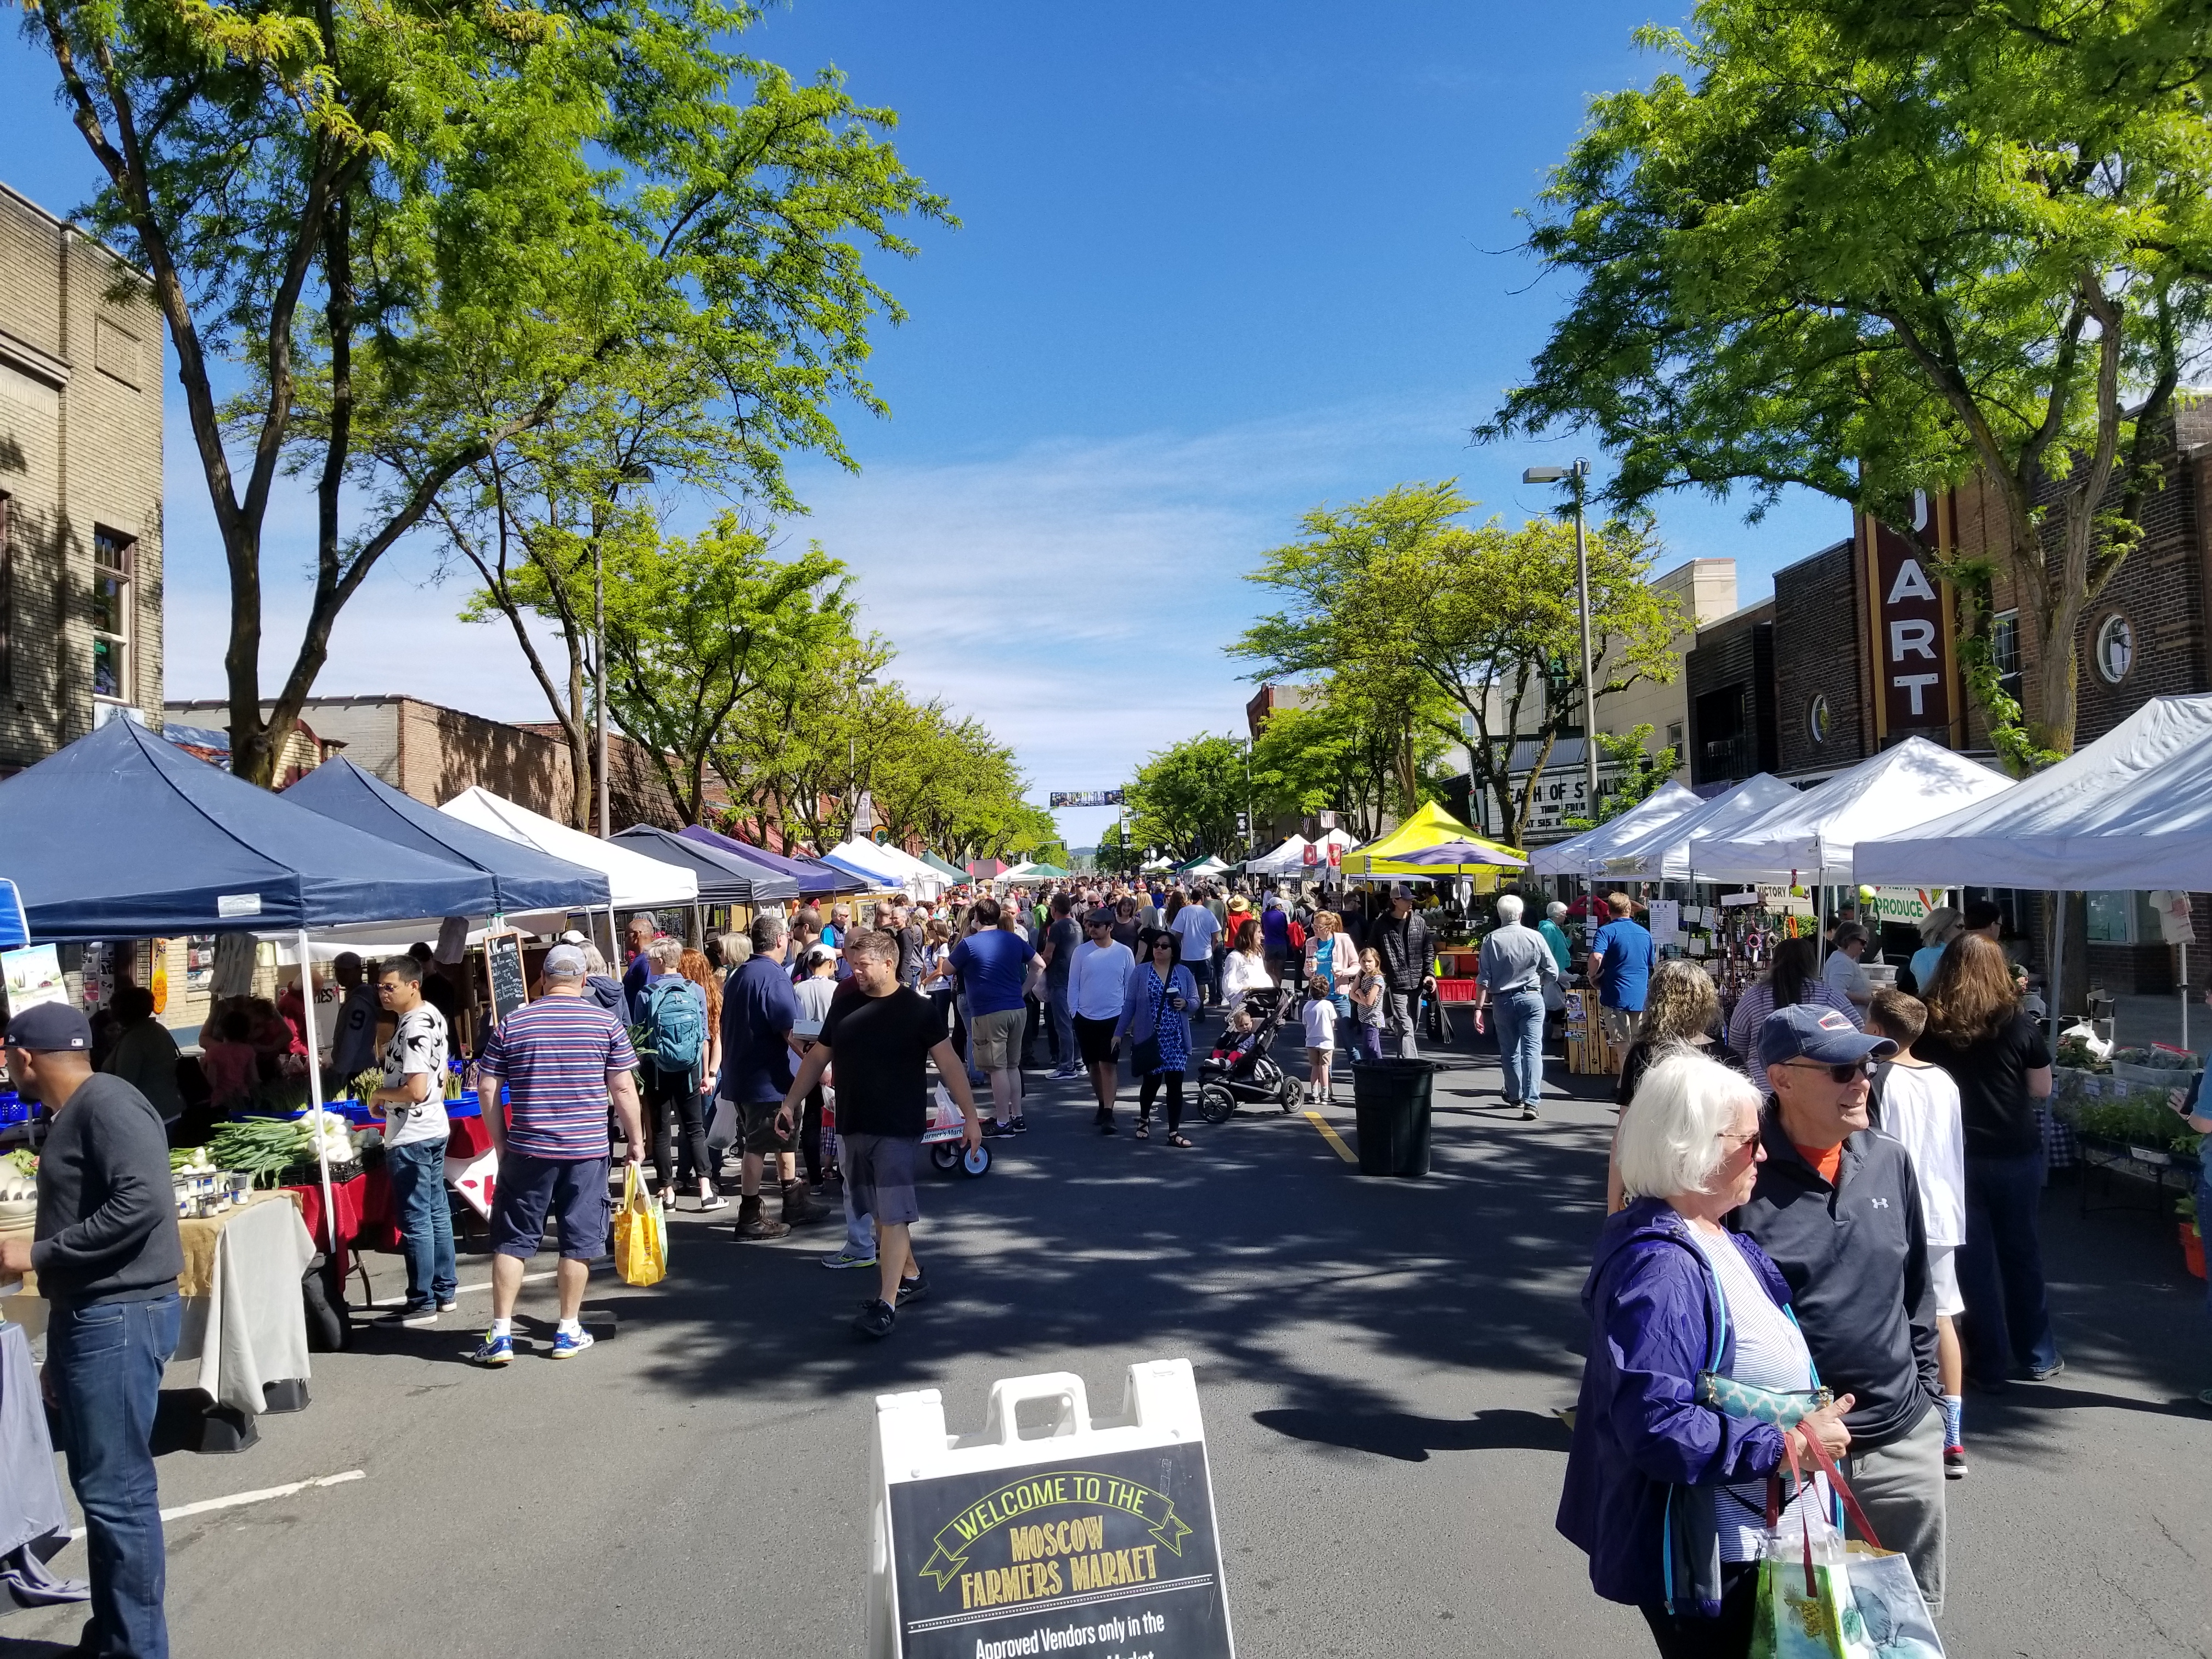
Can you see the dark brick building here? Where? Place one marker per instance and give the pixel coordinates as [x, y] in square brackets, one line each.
[1730, 672]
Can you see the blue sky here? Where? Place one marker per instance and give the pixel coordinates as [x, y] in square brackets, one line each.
[1216, 265]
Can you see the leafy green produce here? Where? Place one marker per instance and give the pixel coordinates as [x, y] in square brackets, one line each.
[2153, 1127]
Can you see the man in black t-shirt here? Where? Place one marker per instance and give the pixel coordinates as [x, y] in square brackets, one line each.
[882, 1037]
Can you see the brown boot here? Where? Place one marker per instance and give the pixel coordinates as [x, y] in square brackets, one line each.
[753, 1222]
[798, 1206]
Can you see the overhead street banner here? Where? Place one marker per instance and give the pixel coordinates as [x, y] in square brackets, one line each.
[1086, 798]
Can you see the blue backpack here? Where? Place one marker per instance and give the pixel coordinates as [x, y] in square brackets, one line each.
[675, 1025]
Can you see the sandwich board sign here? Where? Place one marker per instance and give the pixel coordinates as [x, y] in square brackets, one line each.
[1095, 1540]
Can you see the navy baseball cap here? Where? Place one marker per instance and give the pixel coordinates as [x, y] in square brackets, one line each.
[51, 1028]
[1805, 1032]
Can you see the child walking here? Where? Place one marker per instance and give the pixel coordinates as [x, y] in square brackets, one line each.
[1367, 1004]
[1320, 1017]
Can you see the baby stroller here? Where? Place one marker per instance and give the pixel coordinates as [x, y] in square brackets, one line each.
[1241, 1069]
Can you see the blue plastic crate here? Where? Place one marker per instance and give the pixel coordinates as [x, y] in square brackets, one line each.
[14, 1109]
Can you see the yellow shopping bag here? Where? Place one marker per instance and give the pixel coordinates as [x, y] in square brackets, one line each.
[640, 1233]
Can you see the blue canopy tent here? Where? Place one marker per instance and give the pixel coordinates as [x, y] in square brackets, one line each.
[524, 879]
[814, 878]
[122, 834]
[723, 878]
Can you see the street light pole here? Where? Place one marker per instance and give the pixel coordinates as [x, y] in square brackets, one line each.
[599, 651]
[1577, 477]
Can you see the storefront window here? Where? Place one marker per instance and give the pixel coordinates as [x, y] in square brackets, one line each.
[2112, 918]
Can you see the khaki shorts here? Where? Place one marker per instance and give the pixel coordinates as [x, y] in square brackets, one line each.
[1621, 1024]
[998, 1038]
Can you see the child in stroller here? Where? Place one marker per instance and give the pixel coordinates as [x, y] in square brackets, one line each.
[1242, 1068]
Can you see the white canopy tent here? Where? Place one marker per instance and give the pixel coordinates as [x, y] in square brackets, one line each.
[1814, 835]
[1663, 853]
[635, 881]
[2131, 811]
[1584, 854]
[1279, 860]
[890, 864]
[1208, 866]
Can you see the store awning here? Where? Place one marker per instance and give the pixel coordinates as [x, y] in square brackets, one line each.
[633, 881]
[124, 836]
[524, 879]
[1813, 835]
[2132, 810]
[1429, 825]
[722, 879]
[1585, 854]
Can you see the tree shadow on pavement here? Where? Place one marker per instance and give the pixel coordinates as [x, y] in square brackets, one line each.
[1411, 1439]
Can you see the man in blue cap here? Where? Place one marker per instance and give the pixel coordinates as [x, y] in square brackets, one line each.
[1838, 1207]
[106, 1250]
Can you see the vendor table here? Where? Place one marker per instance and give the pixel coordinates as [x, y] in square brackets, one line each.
[365, 1215]
[34, 1524]
[245, 1325]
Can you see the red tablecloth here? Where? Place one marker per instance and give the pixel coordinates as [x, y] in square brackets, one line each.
[365, 1216]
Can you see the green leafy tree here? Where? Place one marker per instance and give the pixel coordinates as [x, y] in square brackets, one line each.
[420, 230]
[1874, 246]
[1336, 754]
[1186, 797]
[697, 633]
[1465, 629]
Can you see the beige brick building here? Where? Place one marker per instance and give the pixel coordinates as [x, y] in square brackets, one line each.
[80, 486]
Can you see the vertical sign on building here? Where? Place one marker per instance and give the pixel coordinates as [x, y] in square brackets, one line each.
[1910, 613]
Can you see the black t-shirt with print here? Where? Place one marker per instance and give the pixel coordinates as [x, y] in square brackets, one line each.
[879, 1048]
[1993, 1104]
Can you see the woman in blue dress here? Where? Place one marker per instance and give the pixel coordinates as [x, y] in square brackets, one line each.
[1158, 1005]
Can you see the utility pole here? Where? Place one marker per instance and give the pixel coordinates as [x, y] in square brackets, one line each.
[1577, 477]
[599, 655]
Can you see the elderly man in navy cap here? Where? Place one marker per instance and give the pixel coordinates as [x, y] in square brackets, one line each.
[1838, 1207]
[105, 1248]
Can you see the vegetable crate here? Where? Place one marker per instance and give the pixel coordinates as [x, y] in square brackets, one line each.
[1456, 990]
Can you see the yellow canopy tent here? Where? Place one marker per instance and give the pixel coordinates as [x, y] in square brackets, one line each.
[1428, 827]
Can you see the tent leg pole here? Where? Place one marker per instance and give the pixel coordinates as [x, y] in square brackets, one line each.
[2057, 959]
[315, 1088]
[2184, 996]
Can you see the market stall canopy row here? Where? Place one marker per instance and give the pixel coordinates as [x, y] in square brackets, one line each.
[634, 882]
[722, 879]
[1815, 835]
[124, 836]
[523, 879]
[1584, 854]
[893, 867]
[2131, 811]
[1662, 852]
[815, 878]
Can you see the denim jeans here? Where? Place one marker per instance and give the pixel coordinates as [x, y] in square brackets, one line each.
[106, 1362]
[1520, 1043]
[418, 1171]
[1063, 1025]
[2007, 1321]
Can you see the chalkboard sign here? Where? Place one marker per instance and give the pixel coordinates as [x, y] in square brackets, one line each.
[503, 974]
[1111, 1555]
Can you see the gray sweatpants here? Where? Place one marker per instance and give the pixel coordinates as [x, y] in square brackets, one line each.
[1900, 1486]
[1400, 1010]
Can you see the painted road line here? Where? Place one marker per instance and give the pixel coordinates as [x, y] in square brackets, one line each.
[262, 1497]
[467, 1290]
[1333, 1138]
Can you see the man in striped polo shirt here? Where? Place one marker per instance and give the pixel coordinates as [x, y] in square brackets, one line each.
[560, 1057]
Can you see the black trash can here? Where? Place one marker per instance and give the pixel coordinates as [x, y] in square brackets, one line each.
[1390, 1102]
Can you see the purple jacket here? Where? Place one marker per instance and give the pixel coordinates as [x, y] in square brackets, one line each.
[1638, 1499]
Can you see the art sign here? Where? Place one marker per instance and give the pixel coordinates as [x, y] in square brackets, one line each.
[1910, 613]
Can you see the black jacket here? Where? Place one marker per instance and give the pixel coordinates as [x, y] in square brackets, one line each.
[1856, 1256]
[107, 1216]
[1406, 953]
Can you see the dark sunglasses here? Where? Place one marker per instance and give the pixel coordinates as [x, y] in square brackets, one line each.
[1848, 1071]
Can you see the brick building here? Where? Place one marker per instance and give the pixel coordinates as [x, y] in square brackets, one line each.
[433, 753]
[80, 486]
[1728, 687]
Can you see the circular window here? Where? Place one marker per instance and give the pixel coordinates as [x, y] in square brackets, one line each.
[1817, 717]
[2116, 648]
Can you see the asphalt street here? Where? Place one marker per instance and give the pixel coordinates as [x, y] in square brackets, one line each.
[1380, 1363]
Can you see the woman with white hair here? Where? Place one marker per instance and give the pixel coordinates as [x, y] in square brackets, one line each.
[1937, 929]
[1665, 1489]
[1510, 981]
